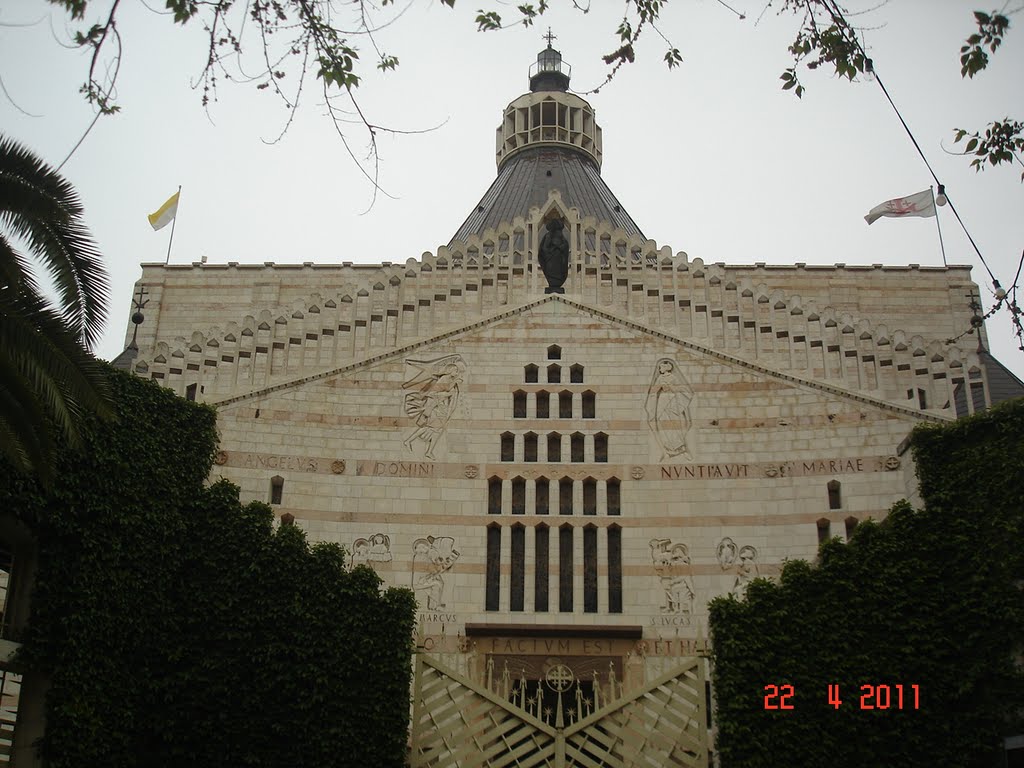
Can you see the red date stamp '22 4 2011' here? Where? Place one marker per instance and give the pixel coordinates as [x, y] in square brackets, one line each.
[780, 697]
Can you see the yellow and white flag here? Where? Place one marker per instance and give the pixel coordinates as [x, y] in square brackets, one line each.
[165, 213]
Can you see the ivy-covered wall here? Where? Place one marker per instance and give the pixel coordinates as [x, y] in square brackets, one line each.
[931, 598]
[179, 627]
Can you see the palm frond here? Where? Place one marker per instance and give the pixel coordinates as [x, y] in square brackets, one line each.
[41, 207]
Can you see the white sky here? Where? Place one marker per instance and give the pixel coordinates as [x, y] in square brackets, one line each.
[712, 158]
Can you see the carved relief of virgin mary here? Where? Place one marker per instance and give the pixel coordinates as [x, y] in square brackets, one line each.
[667, 407]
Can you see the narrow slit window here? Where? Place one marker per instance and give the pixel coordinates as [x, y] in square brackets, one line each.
[576, 446]
[590, 569]
[494, 496]
[565, 496]
[589, 405]
[276, 489]
[517, 583]
[518, 496]
[541, 498]
[565, 405]
[519, 404]
[554, 374]
[530, 374]
[493, 594]
[543, 404]
[540, 581]
[835, 495]
[614, 496]
[576, 374]
[190, 391]
[565, 569]
[590, 496]
[554, 446]
[824, 530]
[530, 446]
[851, 526]
[508, 447]
[601, 447]
[614, 569]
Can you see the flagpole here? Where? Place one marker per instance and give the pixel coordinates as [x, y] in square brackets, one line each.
[937, 227]
[175, 221]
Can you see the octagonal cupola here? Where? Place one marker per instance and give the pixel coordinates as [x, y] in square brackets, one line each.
[548, 114]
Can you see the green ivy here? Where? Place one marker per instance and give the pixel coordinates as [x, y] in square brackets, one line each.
[181, 627]
[929, 597]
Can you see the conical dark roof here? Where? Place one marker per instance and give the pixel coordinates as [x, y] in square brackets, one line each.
[548, 139]
[525, 180]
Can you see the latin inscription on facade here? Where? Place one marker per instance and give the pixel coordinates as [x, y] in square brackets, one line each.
[272, 461]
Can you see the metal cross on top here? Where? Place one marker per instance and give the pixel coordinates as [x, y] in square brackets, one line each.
[549, 37]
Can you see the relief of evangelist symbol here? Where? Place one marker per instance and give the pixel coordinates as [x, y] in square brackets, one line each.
[672, 567]
[376, 549]
[668, 409]
[433, 395]
[741, 561]
[435, 555]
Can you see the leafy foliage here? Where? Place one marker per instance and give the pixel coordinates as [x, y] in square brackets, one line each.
[1001, 142]
[180, 627]
[48, 378]
[929, 597]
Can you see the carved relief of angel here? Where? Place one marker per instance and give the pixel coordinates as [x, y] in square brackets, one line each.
[435, 390]
[667, 407]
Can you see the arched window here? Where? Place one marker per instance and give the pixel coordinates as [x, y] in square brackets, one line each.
[589, 405]
[835, 497]
[530, 374]
[554, 447]
[276, 489]
[576, 446]
[519, 404]
[590, 569]
[554, 374]
[565, 496]
[851, 526]
[530, 446]
[543, 490]
[576, 374]
[543, 404]
[518, 496]
[590, 496]
[824, 530]
[540, 579]
[601, 447]
[565, 404]
[517, 578]
[565, 569]
[494, 496]
[508, 447]
[492, 596]
[554, 352]
[614, 569]
[614, 496]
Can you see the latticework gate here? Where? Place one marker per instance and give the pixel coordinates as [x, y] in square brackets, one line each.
[457, 722]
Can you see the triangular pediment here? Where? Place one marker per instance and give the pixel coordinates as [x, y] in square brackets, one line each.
[559, 308]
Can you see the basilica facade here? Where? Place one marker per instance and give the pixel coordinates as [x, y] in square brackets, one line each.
[566, 450]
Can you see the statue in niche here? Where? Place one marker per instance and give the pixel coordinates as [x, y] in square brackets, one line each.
[437, 555]
[672, 566]
[667, 407]
[727, 550]
[553, 255]
[436, 386]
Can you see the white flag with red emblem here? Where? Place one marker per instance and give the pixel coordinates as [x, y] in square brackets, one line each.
[922, 204]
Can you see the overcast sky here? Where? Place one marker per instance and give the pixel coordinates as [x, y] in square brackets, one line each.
[712, 158]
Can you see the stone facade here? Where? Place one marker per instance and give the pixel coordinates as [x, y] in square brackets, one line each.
[565, 475]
